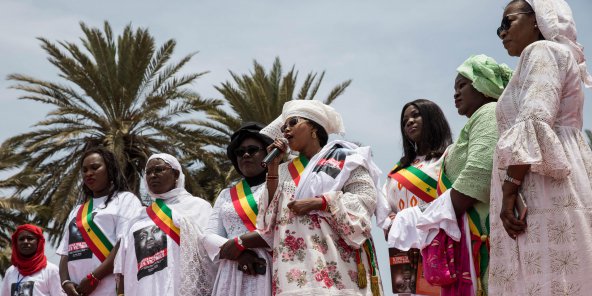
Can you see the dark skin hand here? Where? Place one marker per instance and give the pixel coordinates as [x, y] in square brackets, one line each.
[305, 205]
[69, 288]
[103, 270]
[513, 226]
[251, 240]
[250, 259]
[461, 202]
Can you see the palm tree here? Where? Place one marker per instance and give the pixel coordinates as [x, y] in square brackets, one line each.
[121, 93]
[589, 134]
[257, 96]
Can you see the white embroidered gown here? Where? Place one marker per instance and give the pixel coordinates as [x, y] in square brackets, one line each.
[540, 120]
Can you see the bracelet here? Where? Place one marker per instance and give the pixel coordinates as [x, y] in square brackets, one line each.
[512, 180]
[324, 206]
[66, 282]
[272, 177]
[238, 245]
[93, 280]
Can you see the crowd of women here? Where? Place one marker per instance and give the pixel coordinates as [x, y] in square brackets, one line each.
[505, 209]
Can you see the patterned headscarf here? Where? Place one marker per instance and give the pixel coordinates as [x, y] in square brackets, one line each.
[556, 23]
[488, 77]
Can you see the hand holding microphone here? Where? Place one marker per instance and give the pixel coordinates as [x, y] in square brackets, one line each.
[274, 150]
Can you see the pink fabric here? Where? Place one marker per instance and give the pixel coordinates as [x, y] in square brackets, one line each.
[447, 264]
[438, 260]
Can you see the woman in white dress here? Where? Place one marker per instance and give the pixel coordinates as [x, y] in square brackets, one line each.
[91, 237]
[542, 155]
[316, 212]
[413, 181]
[244, 258]
[162, 253]
[30, 273]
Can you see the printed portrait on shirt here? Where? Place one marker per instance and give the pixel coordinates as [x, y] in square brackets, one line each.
[151, 250]
[333, 162]
[22, 289]
[77, 247]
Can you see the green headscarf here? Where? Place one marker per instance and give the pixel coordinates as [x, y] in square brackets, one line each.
[489, 77]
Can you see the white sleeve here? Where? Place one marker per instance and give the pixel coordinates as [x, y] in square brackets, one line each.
[130, 208]
[216, 234]
[119, 261]
[5, 289]
[53, 282]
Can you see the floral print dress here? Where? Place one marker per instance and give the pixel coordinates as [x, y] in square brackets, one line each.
[315, 254]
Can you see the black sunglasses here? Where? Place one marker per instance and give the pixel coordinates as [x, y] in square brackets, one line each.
[506, 23]
[251, 150]
[292, 121]
[157, 170]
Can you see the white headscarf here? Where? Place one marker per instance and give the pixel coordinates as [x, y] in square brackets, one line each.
[325, 115]
[556, 23]
[197, 271]
[179, 188]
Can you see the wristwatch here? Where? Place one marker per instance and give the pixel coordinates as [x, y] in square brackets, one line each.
[512, 180]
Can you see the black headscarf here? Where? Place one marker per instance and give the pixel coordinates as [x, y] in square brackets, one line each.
[247, 130]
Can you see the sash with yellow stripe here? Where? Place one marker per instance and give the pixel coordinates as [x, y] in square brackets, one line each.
[296, 167]
[95, 239]
[245, 204]
[416, 181]
[479, 236]
[162, 216]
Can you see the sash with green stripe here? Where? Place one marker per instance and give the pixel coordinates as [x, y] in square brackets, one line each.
[416, 181]
[95, 239]
[296, 167]
[162, 216]
[245, 204]
[479, 236]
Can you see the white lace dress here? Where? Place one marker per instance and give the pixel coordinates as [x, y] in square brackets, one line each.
[225, 224]
[540, 119]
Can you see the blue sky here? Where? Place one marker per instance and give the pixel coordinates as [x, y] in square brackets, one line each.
[395, 51]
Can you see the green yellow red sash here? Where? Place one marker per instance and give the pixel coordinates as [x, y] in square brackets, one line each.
[479, 238]
[296, 167]
[416, 181]
[245, 204]
[95, 239]
[162, 216]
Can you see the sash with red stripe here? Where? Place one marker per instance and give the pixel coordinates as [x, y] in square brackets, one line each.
[416, 181]
[162, 216]
[479, 235]
[245, 204]
[296, 167]
[95, 239]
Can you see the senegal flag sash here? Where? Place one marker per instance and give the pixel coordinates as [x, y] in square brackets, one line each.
[245, 204]
[479, 235]
[95, 239]
[296, 167]
[162, 216]
[416, 181]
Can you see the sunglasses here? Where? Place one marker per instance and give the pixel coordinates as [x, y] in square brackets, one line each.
[157, 170]
[251, 150]
[292, 122]
[506, 23]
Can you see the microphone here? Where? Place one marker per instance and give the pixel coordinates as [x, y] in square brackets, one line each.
[273, 154]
